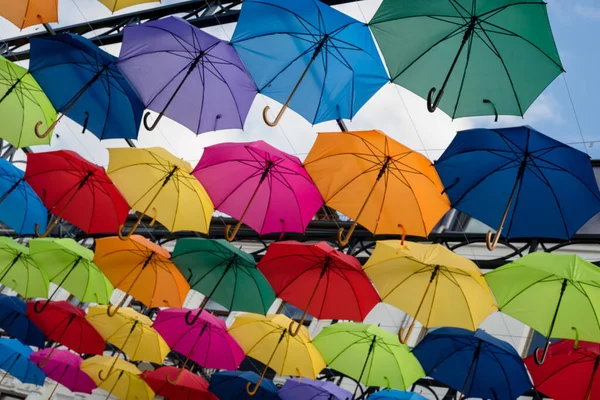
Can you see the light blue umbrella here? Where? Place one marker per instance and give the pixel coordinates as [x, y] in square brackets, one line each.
[396, 394]
[14, 359]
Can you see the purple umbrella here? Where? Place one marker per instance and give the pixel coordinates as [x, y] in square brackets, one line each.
[186, 74]
[65, 368]
[304, 388]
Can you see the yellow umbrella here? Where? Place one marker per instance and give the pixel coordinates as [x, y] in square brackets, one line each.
[153, 180]
[124, 382]
[24, 13]
[131, 332]
[431, 283]
[267, 339]
[115, 5]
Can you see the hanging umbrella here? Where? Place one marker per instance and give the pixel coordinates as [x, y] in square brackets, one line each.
[485, 60]
[24, 13]
[83, 82]
[532, 184]
[14, 322]
[65, 369]
[116, 5]
[141, 269]
[224, 274]
[396, 394]
[320, 280]
[176, 67]
[231, 385]
[475, 363]
[296, 389]
[14, 359]
[266, 188]
[71, 267]
[316, 60]
[189, 386]
[368, 354]
[431, 282]
[364, 174]
[154, 180]
[19, 272]
[555, 294]
[124, 382]
[268, 340]
[22, 104]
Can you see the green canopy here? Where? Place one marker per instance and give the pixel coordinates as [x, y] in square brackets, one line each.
[484, 55]
[19, 272]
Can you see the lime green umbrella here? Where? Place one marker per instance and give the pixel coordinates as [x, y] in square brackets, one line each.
[71, 266]
[482, 57]
[558, 295]
[19, 272]
[368, 354]
[22, 105]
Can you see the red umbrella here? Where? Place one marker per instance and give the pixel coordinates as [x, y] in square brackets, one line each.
[189, 385]
[570, 372]
[320, 280]
[77, 191]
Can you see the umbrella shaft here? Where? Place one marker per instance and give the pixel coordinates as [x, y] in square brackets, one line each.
[13, 262]
[475, 357]
[64, 279]
[9, 368]
[365, 365]
[588, 393]
[12, 189]
[62, 374]
[10, 90]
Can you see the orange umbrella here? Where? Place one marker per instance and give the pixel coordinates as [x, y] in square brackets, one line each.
[24, 13]
[380, 183]
[141, 269]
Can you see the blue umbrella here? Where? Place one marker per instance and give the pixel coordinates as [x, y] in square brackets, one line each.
[396, 394]
[83, 82]
[14, 321]
[520, 179]
[316, 60]
[14, 359]
[232, 386]
[475, 363]
[20, 207]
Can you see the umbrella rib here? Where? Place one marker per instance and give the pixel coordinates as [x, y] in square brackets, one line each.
[493, 355]
[464, 75]
[367, 171]
[281, 8]
[360, 338]
[583, 360]
[324, 60]
[237, 107]
[460, 289]
[539, 281]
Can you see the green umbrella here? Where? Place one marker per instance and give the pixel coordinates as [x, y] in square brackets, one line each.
[484, 56]
[22, 105]
[555, 294]
[223, 273]
[19, 272]
[368, 354]
[71, 266]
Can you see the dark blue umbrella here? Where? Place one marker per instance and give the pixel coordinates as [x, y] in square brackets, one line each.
[232, 386]
[520, 180]
[14, 360]
[396, 394]
[14, 322]
[475, 363]
[83, 82]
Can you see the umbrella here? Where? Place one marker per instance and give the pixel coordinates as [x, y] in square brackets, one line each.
[141, 269]
[116, 5]
[226, 273]
[526, 181]
[14, 359]
[476, 363]
[154, 179]
[368, 354]
[297, 389]
[83, 82]
[231, 385]
[320, 62]
[124, 382]
[177, 68]
[396, 394]
[363, 174]
[268, 340]
[432, 282]
[484, 59]
[254, 182]
[555, 294]
[71, 266]
[320, 280]
[14, 321]
[19, 272]
[189, 385]
[22, 104]
[65, 369]
[24, 13]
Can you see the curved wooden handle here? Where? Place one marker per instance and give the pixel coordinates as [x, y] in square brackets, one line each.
[491, 240]
[252, 392]
[294, 332]
[299, 374]
[403, 234]
[404, 339]
[230, 236]
[173, 382]
[120, 233]
[111, 313]
[47, 132]
[277, 118]
[344, 241]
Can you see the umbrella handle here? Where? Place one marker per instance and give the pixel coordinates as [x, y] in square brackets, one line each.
[48, 229]
[295, 332]
[48, 130]
[277, 118]
[388, 386]
[173, 382]
[111, 313]
[230, 236]
[542, 359]
[403, 229]
[154, 124]
[491, 240]
[35, 306]
[193, 321]
[343, 241]
[110, 371]
[487, 101]
[432, 105]
[300, 376]
[404, 339]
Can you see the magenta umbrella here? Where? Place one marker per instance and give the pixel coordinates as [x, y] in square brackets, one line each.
[265, 188]
[65, 368]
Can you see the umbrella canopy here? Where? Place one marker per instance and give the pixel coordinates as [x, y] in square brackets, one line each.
[231, 385]
[525, 181]
[116, 5]
[264, 187]
[552, 293]
[475, 363]
[320, 62]
[83, 82]
[396, 394]
[189, 386]
[157, 183]
[363, 174]
[19, 272]
[223, 273]
[14, 359]
[480, 58]
[24, 13]
[176, 67]
[65, 368]
[14, 321]
[77, 191]
[431, 283]
[141, 269]
[22, 104]
[297, 389]
[124, 382]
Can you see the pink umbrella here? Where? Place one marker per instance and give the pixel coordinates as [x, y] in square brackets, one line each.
[65, 368]
[267, 189]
